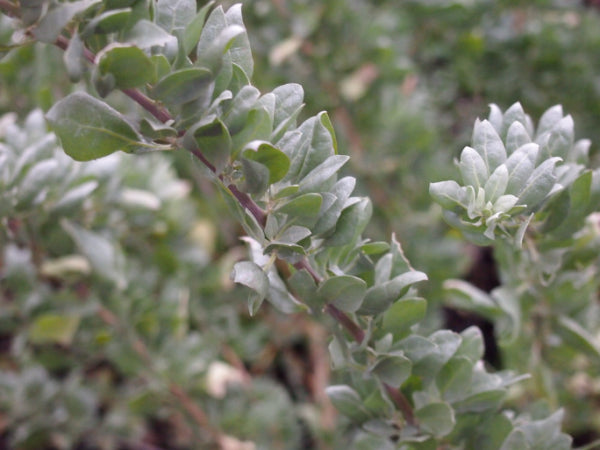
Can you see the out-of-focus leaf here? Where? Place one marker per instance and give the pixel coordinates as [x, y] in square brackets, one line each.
[348, 402]
[57, 18]
[436, 418]
[51, 328]
[73, 58]
[108, 22]
[392, 369]
[104, 255]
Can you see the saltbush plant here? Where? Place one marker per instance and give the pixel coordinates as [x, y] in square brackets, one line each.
[93, 360]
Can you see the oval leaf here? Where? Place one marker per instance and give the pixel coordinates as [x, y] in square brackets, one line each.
[88, 128]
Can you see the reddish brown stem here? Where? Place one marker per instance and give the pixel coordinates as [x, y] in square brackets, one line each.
[245, 200]
[401, 403]
[10, 9]
[340, 316]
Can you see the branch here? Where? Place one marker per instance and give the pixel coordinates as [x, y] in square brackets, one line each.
[246, 201]
[10, 9]
[357, 332]
[401, 403]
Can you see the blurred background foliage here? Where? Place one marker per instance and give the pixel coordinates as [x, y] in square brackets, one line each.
[403, 82]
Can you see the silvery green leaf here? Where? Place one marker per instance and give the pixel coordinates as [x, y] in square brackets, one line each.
[57, 18]
[436, 419]
[477, 204]
[402, 315]
[174, 14]
[496, 184]
[520, 166]
[383, 269]
[89, 128]
[304, 287]
[36, 181]
[294, 234]
[516, 137]
[348, 402]
[488, 144]
[392, 369]
[235, 117]
[580, 151]
[213, 26]
[303, 209]
[345, 291]
[542, 434]
[550, 118]
[322, 173]
[464, 295]
[539, 184]
[104, 255]
[454, 378]
[279, 295]
[256, 176]
[288, 105]
[110, 21]
[520, 234]
[271, 157]
[513, 114]
[578, 338]
[211, 137]
[559, 139]
[448, 194]
[495, 117]
[472, 345]
[505, 203]
[193, 29]
[380, 297]
[313, 145]
[240, 51]
[473, 168]
[183, 86]
[74, 59]
[351, 223]
[341, 190]
[508, 301]
[146, 34]
[252, 276]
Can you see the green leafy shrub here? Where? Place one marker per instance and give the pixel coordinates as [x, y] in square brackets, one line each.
[119, 320]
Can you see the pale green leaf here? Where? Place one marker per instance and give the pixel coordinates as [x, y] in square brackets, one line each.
[53, 328]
